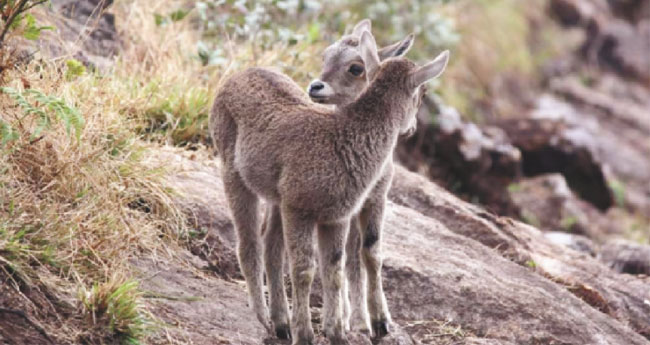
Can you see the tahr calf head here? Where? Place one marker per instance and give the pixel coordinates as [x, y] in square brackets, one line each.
[402, 77]
[344, 76]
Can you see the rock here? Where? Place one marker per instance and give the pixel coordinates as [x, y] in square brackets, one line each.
[604, 94]
[397, 336]
[200, 310]
[87, 32]
[549, 146]
[190, 173]
[547, 202]
[433, 273]
[618, 296]
[576, 242]
[626, 257]
[597, 141]
[621, 44]
[473, 162]
[28, 314]
[450, 260]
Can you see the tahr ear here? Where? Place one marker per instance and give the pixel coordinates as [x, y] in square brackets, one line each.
[396, 49]
[368, 51]
[364, 25]
[429, 71]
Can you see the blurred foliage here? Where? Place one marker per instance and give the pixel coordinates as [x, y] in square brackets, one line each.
[74, 69]
[287, 34]
[14, 16]
[492, 44]
[503, 43]
[273, 23]
[43, 109]
[491, 40]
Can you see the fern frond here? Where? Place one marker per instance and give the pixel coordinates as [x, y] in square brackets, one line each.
[7, 133]
[69, 115]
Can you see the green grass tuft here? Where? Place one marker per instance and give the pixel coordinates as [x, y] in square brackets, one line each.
[114, 310]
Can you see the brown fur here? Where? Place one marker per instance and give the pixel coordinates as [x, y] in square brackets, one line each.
[315, 163]
[336, 61]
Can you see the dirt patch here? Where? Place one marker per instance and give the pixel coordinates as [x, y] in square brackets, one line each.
[16, 327]
[29, 315]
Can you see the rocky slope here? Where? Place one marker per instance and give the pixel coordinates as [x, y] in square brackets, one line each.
[447, 263]
[586, 121]
[456, 273]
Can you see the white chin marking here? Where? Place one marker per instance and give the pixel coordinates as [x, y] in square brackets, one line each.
[325, 92]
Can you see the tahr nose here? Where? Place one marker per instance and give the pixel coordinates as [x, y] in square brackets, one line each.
[315, 86]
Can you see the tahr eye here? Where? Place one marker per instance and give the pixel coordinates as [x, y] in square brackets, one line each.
[356, 70]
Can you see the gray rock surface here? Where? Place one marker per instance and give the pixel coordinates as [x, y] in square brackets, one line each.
[500, 281]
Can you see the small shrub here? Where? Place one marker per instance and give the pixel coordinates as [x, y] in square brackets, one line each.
[115, 311]
[75, 69]
[531, 264]
[514, 188]
[15, 16]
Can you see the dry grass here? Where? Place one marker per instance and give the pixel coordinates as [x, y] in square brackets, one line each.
[73, 212]
[436, 332]
[169, 91]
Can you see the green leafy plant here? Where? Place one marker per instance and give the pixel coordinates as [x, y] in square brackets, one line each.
[75, 69]
[7, 133]
[531, 264]
[514, 187]
[13, 15]
[32, 31]
[210, 56]
[45, 108]
[175, 16]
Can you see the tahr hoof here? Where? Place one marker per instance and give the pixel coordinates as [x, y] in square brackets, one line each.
[283, 332]
[380, 328]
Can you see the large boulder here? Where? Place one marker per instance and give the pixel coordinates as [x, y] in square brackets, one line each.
[547, 202]
[626, 257]
[548, 146]
[622, 297]
[86, 31]
[497, 280]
